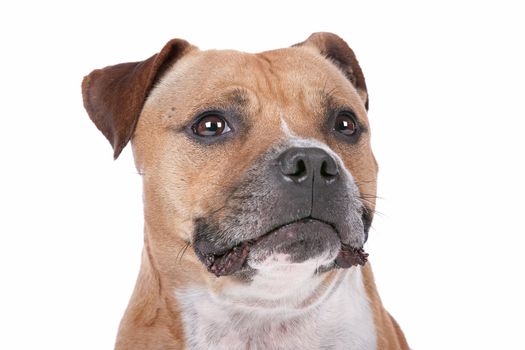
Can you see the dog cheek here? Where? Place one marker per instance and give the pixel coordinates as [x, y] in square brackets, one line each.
[250, 206]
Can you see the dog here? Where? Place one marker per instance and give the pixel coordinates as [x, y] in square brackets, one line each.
[259, 191]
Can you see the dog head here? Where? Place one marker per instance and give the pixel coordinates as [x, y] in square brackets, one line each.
[259, 162]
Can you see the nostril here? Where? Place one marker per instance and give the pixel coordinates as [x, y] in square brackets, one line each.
[329, 169]
[297, 172]
[294, 166]
[300, 168]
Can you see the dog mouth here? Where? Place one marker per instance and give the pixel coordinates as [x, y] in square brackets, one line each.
[316, 233]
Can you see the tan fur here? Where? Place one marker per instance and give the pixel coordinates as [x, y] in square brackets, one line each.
[183, 180]
[389, 334]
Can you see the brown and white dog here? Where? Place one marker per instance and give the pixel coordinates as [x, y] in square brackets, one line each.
[259, 190]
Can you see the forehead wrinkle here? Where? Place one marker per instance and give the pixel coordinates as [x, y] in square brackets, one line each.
[268, 82]
[275, 94]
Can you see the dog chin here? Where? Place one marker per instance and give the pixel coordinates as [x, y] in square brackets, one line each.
[282, 263]
[296, 245]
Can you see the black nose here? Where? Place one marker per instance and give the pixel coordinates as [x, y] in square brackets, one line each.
[307, 165]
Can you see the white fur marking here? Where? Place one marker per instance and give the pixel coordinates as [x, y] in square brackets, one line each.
[340, 319]
[286, 129]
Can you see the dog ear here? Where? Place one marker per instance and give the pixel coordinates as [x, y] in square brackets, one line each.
[114, 96]
[337, 50]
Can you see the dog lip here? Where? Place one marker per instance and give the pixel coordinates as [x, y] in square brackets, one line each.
[233, 259]
[304, 221]
[350, 256]
[308, 219]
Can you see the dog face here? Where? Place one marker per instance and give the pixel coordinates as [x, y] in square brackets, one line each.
[259, 162]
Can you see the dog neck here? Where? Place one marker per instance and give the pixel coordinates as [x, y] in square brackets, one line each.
[285, 310]
[331, 311]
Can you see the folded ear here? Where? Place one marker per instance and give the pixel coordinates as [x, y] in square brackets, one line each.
[114, 96]
[337, 50]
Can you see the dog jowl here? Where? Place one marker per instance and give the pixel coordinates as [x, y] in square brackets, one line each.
[259, 191]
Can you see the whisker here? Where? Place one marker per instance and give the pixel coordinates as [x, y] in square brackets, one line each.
[365, 181]
[370, 195]
[182, 251]
[373, 211]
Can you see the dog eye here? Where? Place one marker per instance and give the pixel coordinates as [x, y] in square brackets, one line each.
[345, 123]
[211, 125]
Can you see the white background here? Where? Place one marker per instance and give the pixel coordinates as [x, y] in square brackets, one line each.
[446, 83]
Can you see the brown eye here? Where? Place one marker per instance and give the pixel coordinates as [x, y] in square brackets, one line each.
[211, 125]
[345, 124]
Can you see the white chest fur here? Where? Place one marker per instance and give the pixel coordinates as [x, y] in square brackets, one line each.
[340, 319]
